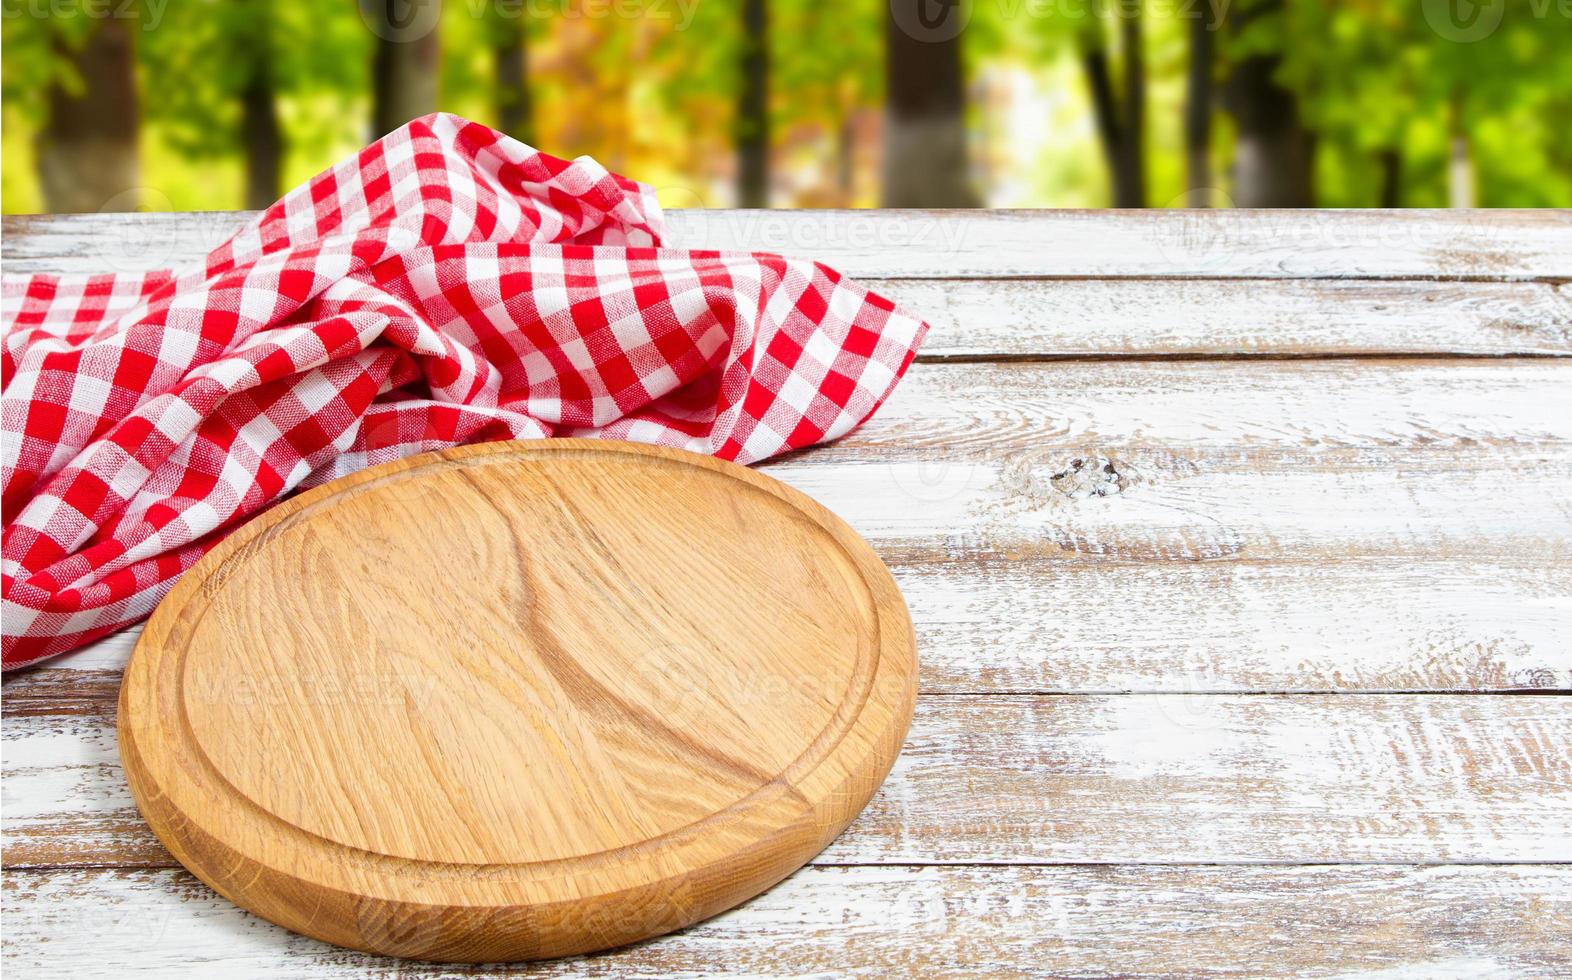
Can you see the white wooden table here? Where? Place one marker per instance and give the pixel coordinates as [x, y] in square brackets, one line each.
[1236, 543]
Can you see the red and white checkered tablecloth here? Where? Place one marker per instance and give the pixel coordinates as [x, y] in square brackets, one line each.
[446, 285]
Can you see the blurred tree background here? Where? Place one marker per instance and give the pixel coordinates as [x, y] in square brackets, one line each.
[213, 104]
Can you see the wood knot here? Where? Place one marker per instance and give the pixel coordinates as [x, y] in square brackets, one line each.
[1093, 477]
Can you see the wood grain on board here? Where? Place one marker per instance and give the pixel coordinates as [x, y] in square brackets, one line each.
[1157, 779]
[518, 700]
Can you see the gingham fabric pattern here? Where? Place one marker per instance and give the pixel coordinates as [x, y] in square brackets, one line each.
[446, 285]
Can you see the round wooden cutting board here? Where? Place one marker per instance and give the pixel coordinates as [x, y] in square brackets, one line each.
[518, 700]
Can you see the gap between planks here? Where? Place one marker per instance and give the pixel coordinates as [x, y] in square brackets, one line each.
[48, 689]
[1239, 356]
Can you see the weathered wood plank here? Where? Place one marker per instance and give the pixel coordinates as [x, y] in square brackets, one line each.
[1207, 461]
[1167, 779]
[1000, 625]
[879, 922]
[1294, 526]
[1063, 318]
[1034, 507]
[1220, 243]
[1497, 244]
[1314, 408]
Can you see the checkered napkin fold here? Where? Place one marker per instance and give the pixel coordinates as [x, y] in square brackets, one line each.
[447, 285]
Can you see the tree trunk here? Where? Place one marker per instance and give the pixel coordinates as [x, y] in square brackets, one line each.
[1130, 178]
[510, 54]
[1274, 153]
[1119, 110]
[87, 149]
[1198, 108]
[925, 158]
[260, 131]
[404, 67]
[846, 158]
[1391, 160]
[1460, 164]
[752, 126]
[1105, 107]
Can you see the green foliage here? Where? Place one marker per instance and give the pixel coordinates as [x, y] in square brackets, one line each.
[1373, 77]
[1377, 75]
[199, 60]
[826, 58]
[467, 42]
